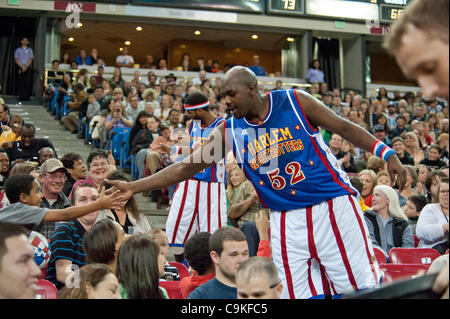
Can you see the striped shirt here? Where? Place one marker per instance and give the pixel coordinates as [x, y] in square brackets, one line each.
[66, 243]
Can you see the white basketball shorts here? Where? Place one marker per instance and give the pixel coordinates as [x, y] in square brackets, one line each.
[323, 250]
[197, 206]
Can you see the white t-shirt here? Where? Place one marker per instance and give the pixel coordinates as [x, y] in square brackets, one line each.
[124, 59]
[429, 226]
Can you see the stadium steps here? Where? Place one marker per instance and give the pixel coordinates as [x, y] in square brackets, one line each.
[64, 142]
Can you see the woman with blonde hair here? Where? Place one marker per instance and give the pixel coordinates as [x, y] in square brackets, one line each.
[369, 180]
[387, 224]
[166, 103]
[412, 147]
[243, 206]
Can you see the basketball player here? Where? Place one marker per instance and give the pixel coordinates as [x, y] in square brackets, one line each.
[199, 203]
[319, 238]
[419, 41]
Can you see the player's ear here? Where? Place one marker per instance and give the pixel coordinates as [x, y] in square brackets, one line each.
[252, 90]
[278, 290]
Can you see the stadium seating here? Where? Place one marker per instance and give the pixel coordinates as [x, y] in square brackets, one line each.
[394, 272]
[183, 271]
[119, 139]
[172, 288]
[423, 256]
[46, 290]
[379, 254]
[416, 241]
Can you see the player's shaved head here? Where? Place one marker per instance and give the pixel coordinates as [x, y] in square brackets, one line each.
[240, 75]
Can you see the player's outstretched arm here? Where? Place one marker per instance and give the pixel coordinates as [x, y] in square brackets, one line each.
[203, 157]
[320, 115]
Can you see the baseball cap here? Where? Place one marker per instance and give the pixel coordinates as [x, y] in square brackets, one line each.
[164, 125]
[52, 165]
[378, 128]
[392, 104]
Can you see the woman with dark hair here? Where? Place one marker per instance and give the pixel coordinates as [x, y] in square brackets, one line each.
[139, 266]
[382, 93]
[315, 74]
[413, 208]
[117, 80]
[130, 217]
[102, 243]
[96, 281]
[140, 123]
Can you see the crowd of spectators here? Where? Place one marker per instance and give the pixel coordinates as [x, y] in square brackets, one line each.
[42, 188]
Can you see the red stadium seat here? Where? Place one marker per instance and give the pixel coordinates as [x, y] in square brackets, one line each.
[416, 241]
[394, 272]
[423, 256]
[379, 254]
[46, 290]
[172, 288]
[183, 271]
[446, 252]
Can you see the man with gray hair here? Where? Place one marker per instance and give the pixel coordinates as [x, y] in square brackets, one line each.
[257, 278]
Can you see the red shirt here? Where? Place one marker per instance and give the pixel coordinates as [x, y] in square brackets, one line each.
[188, 284]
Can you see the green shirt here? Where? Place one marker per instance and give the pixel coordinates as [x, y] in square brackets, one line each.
[123, 293]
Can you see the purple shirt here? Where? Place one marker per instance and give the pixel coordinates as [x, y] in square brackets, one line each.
[23, 55]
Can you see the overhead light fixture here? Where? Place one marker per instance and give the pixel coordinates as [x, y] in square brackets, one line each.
[127, 43]
[197, 32]
[139, 28]
[71, 39]
[254, 36]
[79, 24]
[120, 49]
[289, 39]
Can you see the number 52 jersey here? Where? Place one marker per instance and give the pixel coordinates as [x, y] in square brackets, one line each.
[285, 158]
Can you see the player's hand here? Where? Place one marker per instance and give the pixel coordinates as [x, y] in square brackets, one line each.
[110, 200]
[397, 171]
[121, 189]
[262, 224]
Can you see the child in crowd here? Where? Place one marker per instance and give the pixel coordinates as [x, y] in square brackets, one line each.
[24, 194]
[160, 237]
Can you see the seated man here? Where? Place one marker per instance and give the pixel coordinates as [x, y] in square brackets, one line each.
[160, 148]
[228, 249]
[45, 153]
[52, 176]
[19, 273]
[66, 244]
[27, 149]
[257, 278]
[196, 251]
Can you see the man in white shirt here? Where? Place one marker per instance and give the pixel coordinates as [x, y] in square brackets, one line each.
[124, 60]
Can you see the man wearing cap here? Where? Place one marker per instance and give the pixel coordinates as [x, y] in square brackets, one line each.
[52, 176]
[160, 148]
[392, 115]
[380, 133]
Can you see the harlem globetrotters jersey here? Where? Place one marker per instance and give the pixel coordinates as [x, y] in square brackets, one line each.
[199, 135]
[285, 158]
